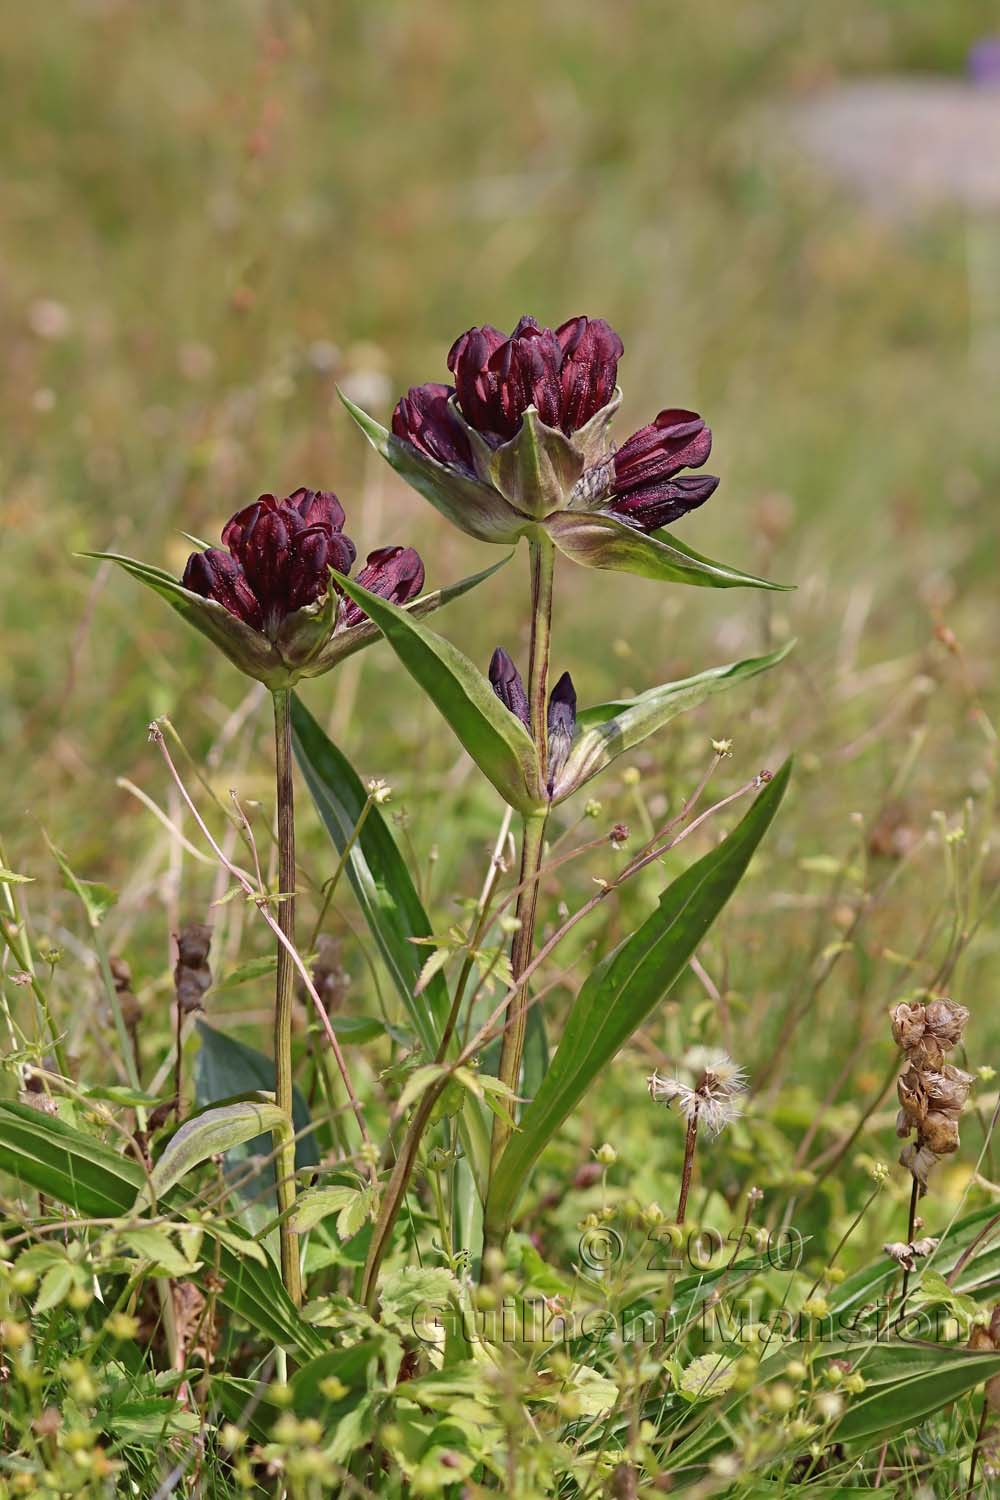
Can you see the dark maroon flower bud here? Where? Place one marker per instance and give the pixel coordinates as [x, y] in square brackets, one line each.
[591, 351]
[567, 376]
[424, 418]
[507, 685]
[285, 549]
[655, 505]
[216, 575]
[318, 508]
[394, 573]
[676, 440]
[561, 725]
[280, 553]
[646, 492]
[476, 385]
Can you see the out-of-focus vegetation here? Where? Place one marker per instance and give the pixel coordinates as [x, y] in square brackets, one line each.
[210, 216]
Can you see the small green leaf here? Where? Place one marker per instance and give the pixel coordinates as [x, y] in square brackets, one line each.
[497, 741]
[620, 993]
[159, 1249]
[473, 507]
[602, 541]
[419, 1082]
[256, 968]
[10, 877]
[609, 729]
[56, 1282]
[97, 900]
[225, 1068]
[211, 1133]
[313, 1206]
[117, 1093]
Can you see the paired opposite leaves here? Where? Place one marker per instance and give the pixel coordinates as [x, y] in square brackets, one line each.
[623, 989]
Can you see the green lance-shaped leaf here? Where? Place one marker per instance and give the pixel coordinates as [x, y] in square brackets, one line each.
[384, 891]
[211, 1133]
[609, 729]
[53, 1158]
[620, 993]
[226, 1069]
[307, 643]
[601, 541]
[344, 643]
[890, 1408]
[497, 741]
[474, 507]
[246, 648]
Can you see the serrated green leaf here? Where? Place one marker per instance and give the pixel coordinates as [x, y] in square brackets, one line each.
[497, 741]
[157, 1247]
[618, 995]
[56, 1282]
[601, 541]
[314, 1205]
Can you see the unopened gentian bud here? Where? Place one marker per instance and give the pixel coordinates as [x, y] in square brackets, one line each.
[424, 417]
[561, 725]
[394, 573]
[506, 682]
[646, 490]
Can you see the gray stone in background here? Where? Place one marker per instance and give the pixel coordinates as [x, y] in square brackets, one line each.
[908, 144]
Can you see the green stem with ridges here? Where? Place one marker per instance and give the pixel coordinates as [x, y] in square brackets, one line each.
[284, 987]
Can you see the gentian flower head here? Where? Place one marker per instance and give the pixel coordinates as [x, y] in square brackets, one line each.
[275, 579]
[520, 446]
[280, 554]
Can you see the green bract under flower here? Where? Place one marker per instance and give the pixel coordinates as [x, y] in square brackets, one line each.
[308, 642]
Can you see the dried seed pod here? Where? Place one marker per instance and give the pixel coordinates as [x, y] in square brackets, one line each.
[932, 1092]
[192, 975]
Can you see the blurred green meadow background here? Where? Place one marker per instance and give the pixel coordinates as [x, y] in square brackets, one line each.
[213, 214]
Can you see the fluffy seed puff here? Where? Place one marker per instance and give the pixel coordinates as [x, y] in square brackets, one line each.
[708, 1088]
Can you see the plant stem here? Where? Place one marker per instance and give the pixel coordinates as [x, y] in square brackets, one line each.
[284, 985]
[977, 1445]
[910, 1232]
[690, 1143]
[542, 555]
